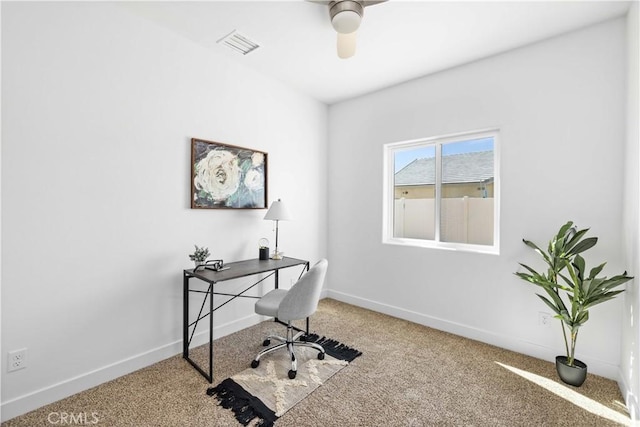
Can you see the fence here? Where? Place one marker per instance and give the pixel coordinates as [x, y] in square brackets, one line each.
[463, 220]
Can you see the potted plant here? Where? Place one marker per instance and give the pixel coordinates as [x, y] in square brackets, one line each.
[570, 291]
[199, 256]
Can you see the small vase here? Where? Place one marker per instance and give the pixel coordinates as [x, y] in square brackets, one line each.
[572, 375]
[198, 263]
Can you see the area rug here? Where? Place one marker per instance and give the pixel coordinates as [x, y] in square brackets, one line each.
[265, 393]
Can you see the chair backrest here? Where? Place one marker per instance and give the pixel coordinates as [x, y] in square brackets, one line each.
[302, 299]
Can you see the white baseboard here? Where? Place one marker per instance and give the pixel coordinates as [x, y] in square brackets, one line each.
[596, 366]
[36, 399]
[630, 399]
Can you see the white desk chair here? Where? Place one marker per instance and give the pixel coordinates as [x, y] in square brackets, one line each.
[297, 303]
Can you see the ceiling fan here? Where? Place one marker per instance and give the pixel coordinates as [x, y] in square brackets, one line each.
[346, 16]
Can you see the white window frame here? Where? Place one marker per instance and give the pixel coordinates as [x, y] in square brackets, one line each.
[388, 192]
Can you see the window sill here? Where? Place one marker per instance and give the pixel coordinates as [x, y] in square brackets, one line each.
[428, 244]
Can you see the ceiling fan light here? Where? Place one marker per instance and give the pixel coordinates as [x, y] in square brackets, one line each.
[346, 45]
[346, 21]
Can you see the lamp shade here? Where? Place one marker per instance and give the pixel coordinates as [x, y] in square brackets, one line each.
[278, 212]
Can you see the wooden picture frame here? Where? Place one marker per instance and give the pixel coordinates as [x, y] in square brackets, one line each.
[227, 177]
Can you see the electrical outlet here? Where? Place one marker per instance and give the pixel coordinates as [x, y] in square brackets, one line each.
[544, 319]
[17, 360]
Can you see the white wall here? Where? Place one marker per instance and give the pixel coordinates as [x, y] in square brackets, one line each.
[630, 357]
[560, 108]
[98, 108]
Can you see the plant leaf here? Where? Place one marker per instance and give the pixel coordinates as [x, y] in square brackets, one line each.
[550, 304]
[605, 297]
[563, 230]
[537, 249]
[566, 319]
[587, 243]
[616, 281]
[579, 263]
[596, 270]
[575, 239]
[567, 281]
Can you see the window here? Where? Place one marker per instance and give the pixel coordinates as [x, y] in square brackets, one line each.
[443, 192]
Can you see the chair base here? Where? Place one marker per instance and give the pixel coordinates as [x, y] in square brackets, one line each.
[289, 343]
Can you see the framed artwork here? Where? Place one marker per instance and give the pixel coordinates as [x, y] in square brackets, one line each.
[227, 177]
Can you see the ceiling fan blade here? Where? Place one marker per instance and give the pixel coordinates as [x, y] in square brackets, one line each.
[346, 44]
[366, 3]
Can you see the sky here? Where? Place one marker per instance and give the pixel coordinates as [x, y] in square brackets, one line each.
[404, 157]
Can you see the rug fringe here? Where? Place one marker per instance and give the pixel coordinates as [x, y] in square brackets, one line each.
[334, 348]
[245, 406]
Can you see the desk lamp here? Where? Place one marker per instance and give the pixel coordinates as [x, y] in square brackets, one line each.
[277, 212]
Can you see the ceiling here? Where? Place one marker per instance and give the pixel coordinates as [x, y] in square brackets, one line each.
[397, 40]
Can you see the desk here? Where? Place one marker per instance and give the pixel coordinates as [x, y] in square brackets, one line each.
[236, 270]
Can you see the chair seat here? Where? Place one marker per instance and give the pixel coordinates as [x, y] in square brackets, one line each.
[268, 304]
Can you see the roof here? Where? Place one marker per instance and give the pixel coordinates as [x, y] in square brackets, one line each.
[457, 168]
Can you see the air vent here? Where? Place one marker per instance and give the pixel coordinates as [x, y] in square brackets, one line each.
[238, 43]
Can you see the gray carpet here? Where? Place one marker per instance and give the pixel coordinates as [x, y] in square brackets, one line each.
[408, 375]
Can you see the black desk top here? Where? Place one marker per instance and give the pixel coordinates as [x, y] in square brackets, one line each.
[244, 268]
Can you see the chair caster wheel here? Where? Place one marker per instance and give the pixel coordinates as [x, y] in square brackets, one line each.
[320, 356]
[255, 363]
[292, 374]
[266, 342]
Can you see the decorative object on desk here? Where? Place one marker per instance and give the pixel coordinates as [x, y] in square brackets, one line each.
[277, 212]
[566, 279]
[266, 392]
[227, 177]
[213, 264]
[200, 255]
[263, 249]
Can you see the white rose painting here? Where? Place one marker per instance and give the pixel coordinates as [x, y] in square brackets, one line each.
[225, 176]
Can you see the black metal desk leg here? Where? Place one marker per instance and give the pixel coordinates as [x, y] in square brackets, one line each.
[185, 316]
[211, 335]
